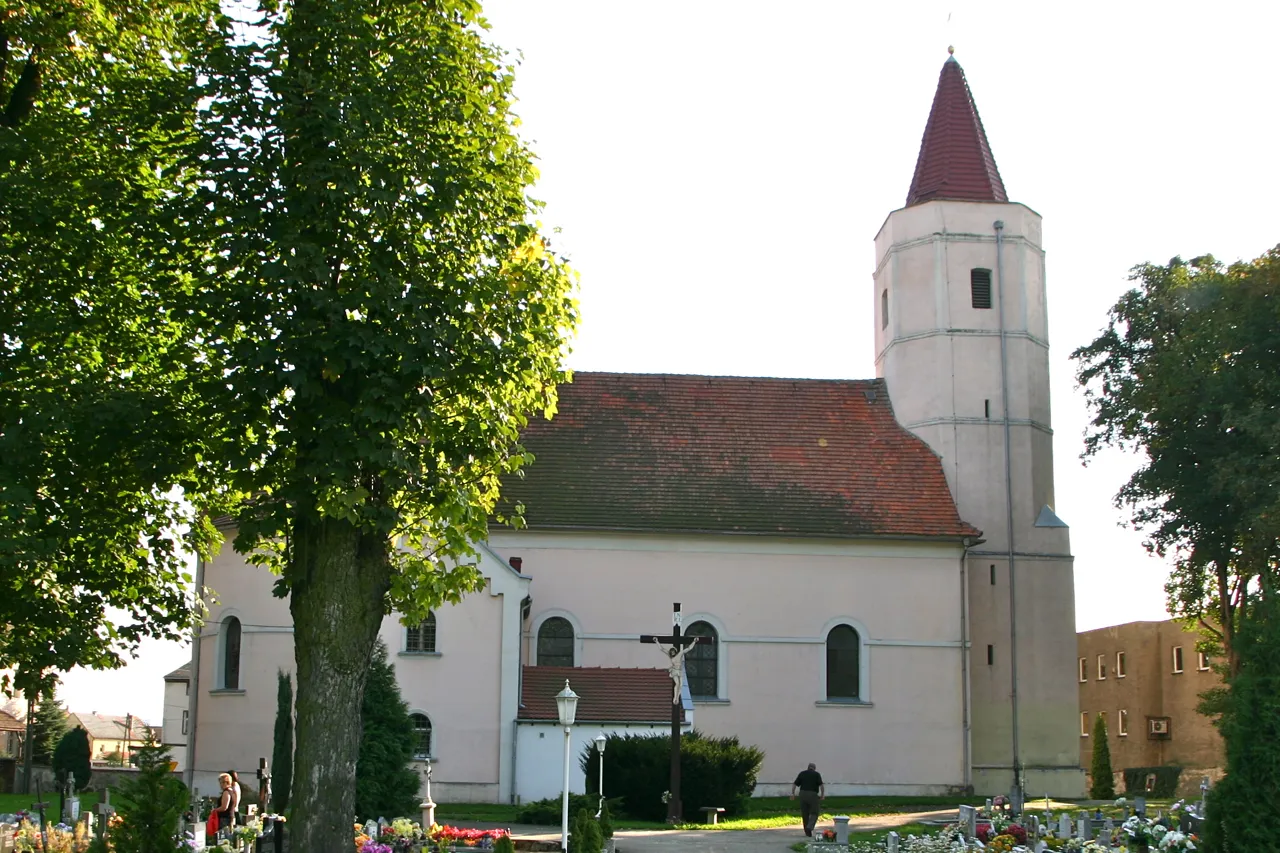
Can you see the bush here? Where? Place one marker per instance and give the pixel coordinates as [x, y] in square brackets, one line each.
[504, 844]
[71, 758]
[547, 812]
[586, 836]
[1102, 785]
[713, 772]
[282, 745]
[150, 805]
[1135, 781]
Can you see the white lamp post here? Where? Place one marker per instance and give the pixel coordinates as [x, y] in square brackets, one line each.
[601, 740]
[567, 706]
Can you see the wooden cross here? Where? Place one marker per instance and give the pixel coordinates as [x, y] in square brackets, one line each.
[39, 808]
[679, 647]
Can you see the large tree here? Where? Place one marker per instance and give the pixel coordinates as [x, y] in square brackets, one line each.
[384, 315]
[48, 725]
[98, 430]
[1188, 374]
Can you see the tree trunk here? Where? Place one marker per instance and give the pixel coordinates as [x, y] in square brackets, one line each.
[340, 577]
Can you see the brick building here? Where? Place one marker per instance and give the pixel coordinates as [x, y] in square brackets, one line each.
[1147, 677]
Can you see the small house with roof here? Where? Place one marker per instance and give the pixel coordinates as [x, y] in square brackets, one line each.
[111, 738]
[876, 566]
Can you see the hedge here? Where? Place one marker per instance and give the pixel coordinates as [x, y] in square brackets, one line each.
[1135, 781]
[637, 768]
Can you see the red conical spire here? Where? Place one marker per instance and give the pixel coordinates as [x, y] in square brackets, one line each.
[955, 158]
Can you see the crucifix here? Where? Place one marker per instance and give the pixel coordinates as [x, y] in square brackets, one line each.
[675, 646]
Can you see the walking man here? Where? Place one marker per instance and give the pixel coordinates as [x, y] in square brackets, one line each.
[811, 792]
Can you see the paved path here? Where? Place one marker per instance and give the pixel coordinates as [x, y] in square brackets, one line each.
[776, 840]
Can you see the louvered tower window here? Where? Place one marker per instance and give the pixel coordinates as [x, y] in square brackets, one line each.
[980, 288]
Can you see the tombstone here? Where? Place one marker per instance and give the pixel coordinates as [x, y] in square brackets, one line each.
[198, 831]
[1032, 825]
[842, 828]
[1204, 795]
[969, 822]
[1042, 847]
[1140, 806]
[71, 810]
[988, 805]
[1064, 827]
[7, 831]
[891, 842]
[1108, 826]
[1083, 829]
[371, 830]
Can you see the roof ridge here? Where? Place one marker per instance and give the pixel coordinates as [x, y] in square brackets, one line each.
[955, 160]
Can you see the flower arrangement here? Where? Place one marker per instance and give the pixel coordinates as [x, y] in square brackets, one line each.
[828, 835]
[62, 838]
[1177, 840]
[467, 837]
[1002, 844]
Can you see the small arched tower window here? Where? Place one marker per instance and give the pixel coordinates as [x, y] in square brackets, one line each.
[842, 663]
[231, 653]
[702, 664]
[980, 288]
[555, 642]
[421, 637]
[884, 308]
[421, 736]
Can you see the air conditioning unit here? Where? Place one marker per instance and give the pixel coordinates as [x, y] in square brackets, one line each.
[1159, 727]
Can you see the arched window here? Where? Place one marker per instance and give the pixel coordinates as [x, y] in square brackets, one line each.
[702, 664]
[884, 308]
[421, 637]
[842, 663]
[555, 642]
[231, 653]
[421, 736]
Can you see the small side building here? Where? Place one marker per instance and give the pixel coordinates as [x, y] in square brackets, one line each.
[1146, 678]
[177, 714]
[112, 739]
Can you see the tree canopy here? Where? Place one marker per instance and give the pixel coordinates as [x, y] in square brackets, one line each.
[99, 429]
[1188, 373]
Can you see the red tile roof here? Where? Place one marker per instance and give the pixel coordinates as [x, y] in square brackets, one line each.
[955, 159]
[649, 453]
[605, 695]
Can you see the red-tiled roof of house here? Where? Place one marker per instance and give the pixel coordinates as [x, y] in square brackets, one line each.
[955, 159]
[808, 457]
[604, 695]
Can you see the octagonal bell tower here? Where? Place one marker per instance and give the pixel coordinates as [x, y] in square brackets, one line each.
[962, 343]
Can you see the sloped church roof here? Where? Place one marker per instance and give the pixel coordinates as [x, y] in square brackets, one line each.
[717, 454]
[955, 160]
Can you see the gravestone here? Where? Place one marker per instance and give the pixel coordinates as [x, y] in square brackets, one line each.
[1204, 795]
[371, 830]
[1140, 806]
[1041, 847]
[7, 831]
[891, 841]
[1033, 828]
[989, 803]
[1108, 826]
[1064, 827]
[842, 828]
[1082, 829]
[969, 822]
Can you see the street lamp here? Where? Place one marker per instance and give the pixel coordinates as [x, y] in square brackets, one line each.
[601, 740]
[567, 706]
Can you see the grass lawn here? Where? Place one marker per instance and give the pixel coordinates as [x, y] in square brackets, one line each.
[10, 803]
[766, 812]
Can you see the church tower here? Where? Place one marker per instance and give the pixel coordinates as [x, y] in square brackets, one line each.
[961, 333]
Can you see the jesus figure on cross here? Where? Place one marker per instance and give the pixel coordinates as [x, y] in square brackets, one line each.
[675, 667]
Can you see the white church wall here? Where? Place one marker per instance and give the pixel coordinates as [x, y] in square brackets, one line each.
[540, 761]
[774, 600]
[467, 689]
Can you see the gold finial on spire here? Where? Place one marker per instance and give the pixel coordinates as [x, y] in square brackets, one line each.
[951, 49]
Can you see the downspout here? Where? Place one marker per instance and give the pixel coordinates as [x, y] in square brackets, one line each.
[964, 665]
[193, 700]
[1008, 502]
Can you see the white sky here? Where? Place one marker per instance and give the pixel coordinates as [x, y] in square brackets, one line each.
[719, 169]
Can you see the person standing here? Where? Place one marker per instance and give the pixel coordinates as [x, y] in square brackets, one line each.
[222, 820]
[812, 791]
[236, 794]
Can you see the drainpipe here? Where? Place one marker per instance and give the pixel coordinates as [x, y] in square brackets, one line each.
[193, 700]
[964, 665]
[1008, 502]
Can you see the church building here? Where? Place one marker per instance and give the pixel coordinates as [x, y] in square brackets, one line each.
[875, 565]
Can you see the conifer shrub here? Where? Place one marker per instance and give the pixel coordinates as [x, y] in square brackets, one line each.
[1102, 784]
[282, 746]
[504, 844]
[149, 805]
[714, 771]
[585, 836]
[548, 812]
[386, 786]
[71, 759]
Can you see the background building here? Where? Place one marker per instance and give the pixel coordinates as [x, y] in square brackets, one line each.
[1146, 678]
[177, 714]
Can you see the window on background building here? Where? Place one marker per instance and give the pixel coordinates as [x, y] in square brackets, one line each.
[421, 736]
[1084, 724]
[1202, 661]
[231, 653]
[1102, 667]
[421, 637]
[1177, 658]
[555, 642]
[842, 663]
[1122, 723]
[980, 288]
[185, 718]
[1120, 665]
[884, 308]
[991, 655]
[702, 664]
[1084, 670]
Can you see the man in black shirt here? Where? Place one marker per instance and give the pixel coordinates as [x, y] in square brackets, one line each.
[812, 792]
